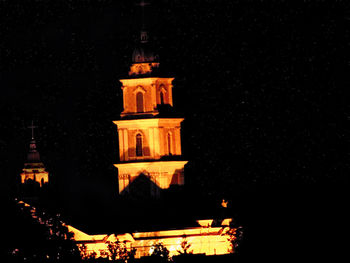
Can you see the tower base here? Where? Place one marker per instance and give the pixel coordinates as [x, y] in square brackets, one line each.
[149, 177]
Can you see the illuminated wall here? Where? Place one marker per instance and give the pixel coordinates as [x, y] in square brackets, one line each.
[160, 137]
[35, 174]
[203, 240]
[142, 68]
[162, 174]
[154, 91]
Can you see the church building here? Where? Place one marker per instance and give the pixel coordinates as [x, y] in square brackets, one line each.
[150, 162]
[34, 169]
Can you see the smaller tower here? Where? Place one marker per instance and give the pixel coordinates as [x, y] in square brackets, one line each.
[34, 169]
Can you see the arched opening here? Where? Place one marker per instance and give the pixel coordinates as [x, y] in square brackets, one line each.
[139, 102]
[162, 98]
[169, 143]
[138, 145]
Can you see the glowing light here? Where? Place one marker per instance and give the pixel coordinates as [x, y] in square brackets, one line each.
[205, 223]
[151, 250]
[203, 240]
[154, 133]
[152, 88]
[142, 68]
[226, 222]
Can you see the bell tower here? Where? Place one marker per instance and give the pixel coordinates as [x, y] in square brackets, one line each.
[149, 145]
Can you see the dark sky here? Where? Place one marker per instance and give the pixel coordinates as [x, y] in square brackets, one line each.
[260, 84]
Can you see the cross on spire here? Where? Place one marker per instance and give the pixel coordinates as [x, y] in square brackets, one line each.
[32, 127]
[142, 4]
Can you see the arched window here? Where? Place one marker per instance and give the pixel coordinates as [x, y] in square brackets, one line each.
[139, 102]
[161, 97]
[138, 145]
[169, 143]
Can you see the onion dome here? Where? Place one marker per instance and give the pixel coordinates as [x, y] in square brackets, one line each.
[33, 155]
[144, 53]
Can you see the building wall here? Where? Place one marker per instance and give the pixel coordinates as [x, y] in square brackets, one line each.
[162, 174]
[37, 173]
[203, 240]
[154, 134]
[150, 88]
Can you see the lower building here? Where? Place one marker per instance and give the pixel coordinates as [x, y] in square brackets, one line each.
[203, 239]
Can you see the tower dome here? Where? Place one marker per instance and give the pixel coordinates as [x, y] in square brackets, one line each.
[33, 155]
[143, 53]
[144, 60]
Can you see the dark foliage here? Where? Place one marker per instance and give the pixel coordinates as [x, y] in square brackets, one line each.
[160, 253]
[35, 236]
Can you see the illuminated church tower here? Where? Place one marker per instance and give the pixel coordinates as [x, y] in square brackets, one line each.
[34, 169]
[149, 143]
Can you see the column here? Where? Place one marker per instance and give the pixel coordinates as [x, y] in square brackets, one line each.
[157, 141]
[154, 96]
[177, 141]
[126, 147]
[121, 145]
[151, 141]
[170, 90]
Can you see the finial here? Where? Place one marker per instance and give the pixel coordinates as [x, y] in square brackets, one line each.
[144, 36]
[142, 4]
[224, 203]
[32, 127]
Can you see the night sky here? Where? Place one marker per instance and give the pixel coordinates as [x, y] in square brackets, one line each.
[261, 85]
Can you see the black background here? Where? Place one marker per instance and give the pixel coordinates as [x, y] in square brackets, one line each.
[261, 85]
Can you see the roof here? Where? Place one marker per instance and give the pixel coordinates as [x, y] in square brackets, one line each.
[173, 212]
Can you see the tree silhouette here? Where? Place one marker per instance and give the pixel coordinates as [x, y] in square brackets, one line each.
[235, 235]
[85, 255]
[118, 252]
[160, 253]
[39, 237]
[185, 246]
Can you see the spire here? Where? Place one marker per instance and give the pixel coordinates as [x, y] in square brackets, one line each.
[32, 127]
[143, 32]
[144, 59]
[142, 4]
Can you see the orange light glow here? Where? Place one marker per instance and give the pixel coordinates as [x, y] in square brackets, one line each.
[154, 91]
[35, 172]
[205, 223]
[158, 137]
[142, 68]
[203, 240]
